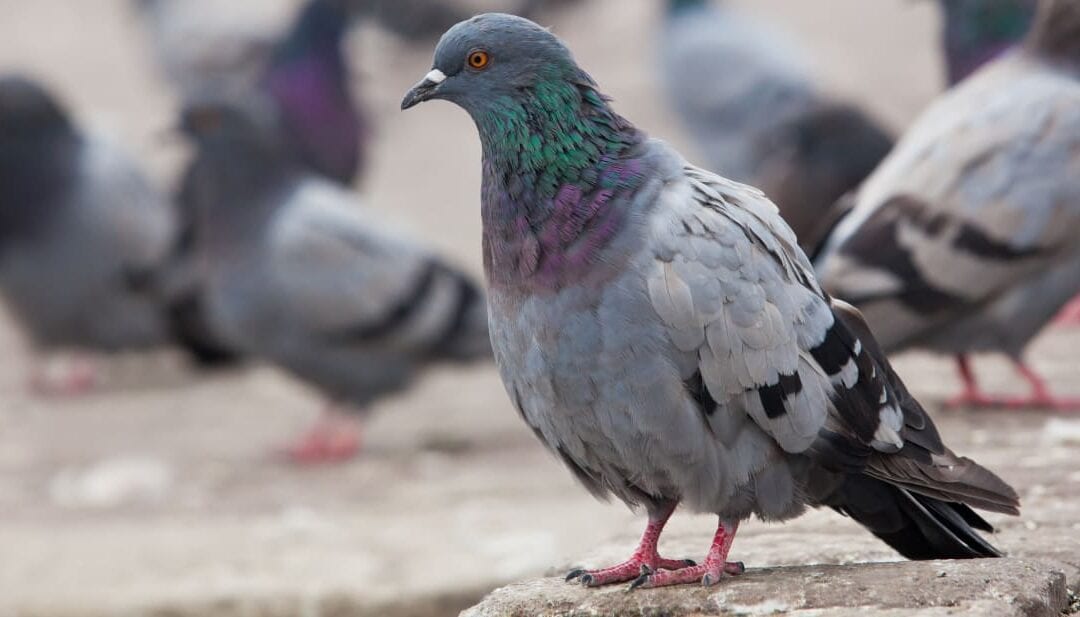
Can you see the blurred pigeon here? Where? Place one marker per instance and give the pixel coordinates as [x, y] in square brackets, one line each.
[303, 71]
[82, 234]
[747, 97]
[423, 21]
[412, 20]
[978, 31]
[659, 328]
[208, 45]
[965, 239]
[295, 273]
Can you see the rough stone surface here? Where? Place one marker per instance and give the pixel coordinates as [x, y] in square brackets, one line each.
[998, 587]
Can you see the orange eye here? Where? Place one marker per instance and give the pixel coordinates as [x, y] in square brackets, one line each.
[479, 59]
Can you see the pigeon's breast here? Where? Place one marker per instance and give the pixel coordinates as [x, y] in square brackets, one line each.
[596, 379]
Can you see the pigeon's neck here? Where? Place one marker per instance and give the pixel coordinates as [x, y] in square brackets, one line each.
[677, 6]
[977, 31]
[309, 82]
[318, 31]
[1056, 33]
[318, 115]
[559, 168]
[231, 188]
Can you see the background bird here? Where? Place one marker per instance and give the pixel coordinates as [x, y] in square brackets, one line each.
[304, 77]
[423, 21]
[83, 236]
[296, 274]
[748, 98]
[303, 70]
[977, 31]
[657, 326]
[206, 46]
[963, 241]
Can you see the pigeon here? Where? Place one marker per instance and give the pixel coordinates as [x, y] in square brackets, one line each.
[978, 31]
[83, 235]
[963, 240]
[659, 329]
[303, 71]
[423, 21]
[296, 274]
[206, 45]
[747, 97]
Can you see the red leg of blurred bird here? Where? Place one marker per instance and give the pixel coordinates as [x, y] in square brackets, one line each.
[71, 376]
[708, 573]
[971, 395]
[335, 437]
[645, 559]
[1070, 315]
[1040, 397]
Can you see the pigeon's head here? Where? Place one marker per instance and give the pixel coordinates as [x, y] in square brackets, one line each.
[27, 111]
[481, 62]
[214, 124]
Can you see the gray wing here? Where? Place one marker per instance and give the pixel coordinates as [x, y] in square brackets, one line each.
[347, 280]
[736, 293]
[136, 224]
[91, 282]
[981, 197]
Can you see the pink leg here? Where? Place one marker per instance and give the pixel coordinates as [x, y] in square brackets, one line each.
[67, 377]
[971, 395]
[708, 573]
[335, 437]
[1070, 315]
[645, 559]
[1040, 397]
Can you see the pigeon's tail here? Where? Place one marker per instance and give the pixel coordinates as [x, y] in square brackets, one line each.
[917, 526]
[463, 335]
[191, 332]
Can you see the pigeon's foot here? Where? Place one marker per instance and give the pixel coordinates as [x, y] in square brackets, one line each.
[972, 395]
[1041, 401]
[645, 558]
[706, 574]
[334, 438]
[628, 570]
[68, 377]
[709, 573]
[972, 398]
[1070, 315]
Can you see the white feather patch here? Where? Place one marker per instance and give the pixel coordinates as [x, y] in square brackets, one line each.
[435, 76]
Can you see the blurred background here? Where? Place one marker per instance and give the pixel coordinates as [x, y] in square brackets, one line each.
[162, 487]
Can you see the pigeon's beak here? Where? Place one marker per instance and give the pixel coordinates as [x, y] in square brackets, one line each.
[426, 89]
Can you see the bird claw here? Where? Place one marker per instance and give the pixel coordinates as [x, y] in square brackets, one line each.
[706, 574]
[630, 570]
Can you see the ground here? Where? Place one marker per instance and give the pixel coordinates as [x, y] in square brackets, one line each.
[160, 494]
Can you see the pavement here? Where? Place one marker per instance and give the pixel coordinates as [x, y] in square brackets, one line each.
[162, 493]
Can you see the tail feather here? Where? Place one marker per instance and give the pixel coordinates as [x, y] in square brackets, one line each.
[915, 525]
[464, 333]
[191, 332]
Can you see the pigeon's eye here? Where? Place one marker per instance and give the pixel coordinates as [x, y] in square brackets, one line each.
[478, 59]
[205, 120]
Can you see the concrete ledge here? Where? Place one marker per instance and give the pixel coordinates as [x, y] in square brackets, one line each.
[998, 587]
